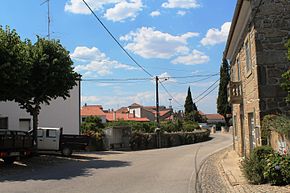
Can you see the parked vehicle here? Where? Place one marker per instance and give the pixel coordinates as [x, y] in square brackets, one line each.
[53, 139]
[15, 144]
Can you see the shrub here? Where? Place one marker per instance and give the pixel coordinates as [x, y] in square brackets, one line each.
[253, 167]
[277, 169]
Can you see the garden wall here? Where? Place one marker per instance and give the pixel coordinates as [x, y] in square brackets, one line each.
[140, 141]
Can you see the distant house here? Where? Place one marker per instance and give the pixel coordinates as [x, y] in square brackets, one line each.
[150, 112]
[93, 110]
[214, 119]
[109, 116]
[60, 113]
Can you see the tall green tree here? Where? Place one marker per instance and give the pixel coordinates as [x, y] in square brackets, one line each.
[286, 76]
[223, 106]
[51, 76]
[188, 106]
[14, 64]
[34, 74]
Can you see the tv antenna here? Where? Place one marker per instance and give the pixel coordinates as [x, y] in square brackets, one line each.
[48, 17]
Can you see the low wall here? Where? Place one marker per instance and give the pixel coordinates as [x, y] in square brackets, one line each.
[140, 141]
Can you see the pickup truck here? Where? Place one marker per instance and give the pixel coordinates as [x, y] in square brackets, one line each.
[15, 144]
[53, 139]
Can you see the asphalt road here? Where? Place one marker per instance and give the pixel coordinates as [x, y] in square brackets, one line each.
[170, 170]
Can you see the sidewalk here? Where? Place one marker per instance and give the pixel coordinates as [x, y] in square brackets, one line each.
[231, 164]
[221, 173]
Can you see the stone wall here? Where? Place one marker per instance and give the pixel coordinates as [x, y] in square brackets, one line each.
[267, 31]
[272, 24]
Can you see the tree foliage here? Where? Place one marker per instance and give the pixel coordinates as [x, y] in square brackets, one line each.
[223, 106]
[40, 72]
[14, 64]
[92, 124]
[188, 106]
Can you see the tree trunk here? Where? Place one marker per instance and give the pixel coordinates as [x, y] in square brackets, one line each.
[35, 125]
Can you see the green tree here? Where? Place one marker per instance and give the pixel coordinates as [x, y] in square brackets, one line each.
[40, 72]
[92, 124]
[51, 76]
[286, 76]
[188, 106]
[14, 64]
[223, 106]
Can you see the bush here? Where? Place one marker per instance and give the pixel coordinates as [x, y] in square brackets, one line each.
[253, 167]
[277, 169]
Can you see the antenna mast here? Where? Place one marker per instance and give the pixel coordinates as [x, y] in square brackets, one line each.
[48, 18]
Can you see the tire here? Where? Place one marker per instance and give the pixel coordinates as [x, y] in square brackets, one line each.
[66, 151]
[9, 160]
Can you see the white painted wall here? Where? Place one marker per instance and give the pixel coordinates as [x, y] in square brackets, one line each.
[60, 113]
[137, 112]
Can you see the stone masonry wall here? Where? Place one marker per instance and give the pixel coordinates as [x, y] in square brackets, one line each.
[272, 24]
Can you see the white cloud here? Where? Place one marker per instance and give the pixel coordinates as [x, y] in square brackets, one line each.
[166, 77]
[183, 4]
[215, 36]
[96, 62]
[182, 13]
[150, 43]
[195, 57]
[124, 10]
[78, 6]
[155, 13]
[90, 99]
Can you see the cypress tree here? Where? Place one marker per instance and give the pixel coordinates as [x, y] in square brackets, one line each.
[223, 106]
[188, 106]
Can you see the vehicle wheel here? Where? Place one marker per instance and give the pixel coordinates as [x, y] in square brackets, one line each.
[66, 151]
[9, 160]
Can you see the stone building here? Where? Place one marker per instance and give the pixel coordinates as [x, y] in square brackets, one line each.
[258, 56]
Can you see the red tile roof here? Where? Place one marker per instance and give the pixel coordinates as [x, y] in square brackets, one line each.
[92, 110]
[214, 116]
[122, 110]
[125, 117]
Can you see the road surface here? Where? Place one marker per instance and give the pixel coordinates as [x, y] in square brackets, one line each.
[168, 170]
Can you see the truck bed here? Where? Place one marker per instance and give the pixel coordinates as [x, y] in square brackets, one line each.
[15, 140]
[76, 142]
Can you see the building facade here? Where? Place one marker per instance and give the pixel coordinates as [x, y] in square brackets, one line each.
[258, 57]
[60, 113]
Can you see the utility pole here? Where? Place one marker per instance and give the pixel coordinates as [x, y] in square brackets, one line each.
[157, 102]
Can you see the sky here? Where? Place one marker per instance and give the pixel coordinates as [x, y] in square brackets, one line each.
[180, 41]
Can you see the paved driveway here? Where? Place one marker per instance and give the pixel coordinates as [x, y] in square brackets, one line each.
[170, 170]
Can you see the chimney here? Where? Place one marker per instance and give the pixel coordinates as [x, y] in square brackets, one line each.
[114, 116]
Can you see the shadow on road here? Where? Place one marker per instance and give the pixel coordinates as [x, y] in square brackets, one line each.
[46, 167]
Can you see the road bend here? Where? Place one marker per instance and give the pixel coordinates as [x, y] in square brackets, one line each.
[168, 170]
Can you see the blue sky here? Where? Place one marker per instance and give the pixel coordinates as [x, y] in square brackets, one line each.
[179, 39]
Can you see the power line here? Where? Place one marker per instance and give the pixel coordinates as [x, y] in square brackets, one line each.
[169, 93]
[206, 89]
[114, 79]
[127, 53]
[197, 80]
[207, 94]
[190, 76]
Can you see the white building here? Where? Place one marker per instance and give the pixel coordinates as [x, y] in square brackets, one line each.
[60, 113]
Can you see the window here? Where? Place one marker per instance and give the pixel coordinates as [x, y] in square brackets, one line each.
[51, 133]
[24, 124]
[39, 133]
[248, 56]
[238, 70]
[235, 126]
[3, 122]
